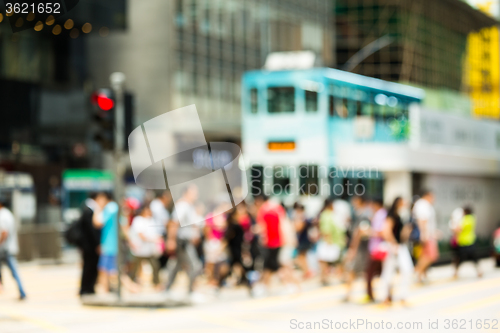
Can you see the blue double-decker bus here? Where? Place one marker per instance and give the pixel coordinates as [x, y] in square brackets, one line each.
[294, 121]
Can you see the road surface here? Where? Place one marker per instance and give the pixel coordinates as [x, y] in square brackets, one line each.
[52, 306]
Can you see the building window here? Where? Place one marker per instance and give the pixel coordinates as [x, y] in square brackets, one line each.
[205, 24]
[193, 11]
[179, 16]
[308, 180]
[254, 100]
[311, 101]
[281, 99]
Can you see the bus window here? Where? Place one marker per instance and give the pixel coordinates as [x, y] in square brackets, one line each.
[308, 180]
[379, 111]
[257, 180]
[358, 108]
[367, 109]
[281, 180]
[311, 101]
[280, 99]
[343, 110]
[254, 103]
[391, 108]
[404, 110]
[380, 106]
[338, 107]
[331, 105]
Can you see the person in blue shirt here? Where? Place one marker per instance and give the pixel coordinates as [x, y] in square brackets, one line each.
[106, 218]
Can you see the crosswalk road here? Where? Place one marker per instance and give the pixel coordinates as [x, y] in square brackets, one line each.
[53, 306]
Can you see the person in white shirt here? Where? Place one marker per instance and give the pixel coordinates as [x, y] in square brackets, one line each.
[9, 247]
[146, 244]
[159, 209]
[182, 241]
[424, 213]
[343, 213]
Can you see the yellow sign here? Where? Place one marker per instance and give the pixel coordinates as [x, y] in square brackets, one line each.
[482, 72]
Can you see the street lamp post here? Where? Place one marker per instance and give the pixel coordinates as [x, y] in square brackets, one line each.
[117, 82]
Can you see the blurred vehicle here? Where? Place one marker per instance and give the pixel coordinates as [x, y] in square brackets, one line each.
[293, 121]
[313, 133]
[76, 187]
[19, 190]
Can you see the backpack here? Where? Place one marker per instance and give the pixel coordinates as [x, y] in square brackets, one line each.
[415, 231]
[74, 234]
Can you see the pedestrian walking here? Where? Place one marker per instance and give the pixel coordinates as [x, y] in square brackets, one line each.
[357, 254]
[233, 238]
[183, 241]
[456, 218]
[146, 244]
[286, 254]
[302, 226]
[90, 241]
[269, 217]
[106, 218]
[159, 208]
[425, 215]
[9, 246]
[376, 247]
[466, 239]
[214, 251]
[496, 246]
[396, 234]
[332, 240]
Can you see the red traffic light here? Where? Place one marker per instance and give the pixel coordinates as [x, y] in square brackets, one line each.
[101, 99]
[104, 102]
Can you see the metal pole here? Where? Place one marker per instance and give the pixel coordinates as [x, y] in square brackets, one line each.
[117, 81]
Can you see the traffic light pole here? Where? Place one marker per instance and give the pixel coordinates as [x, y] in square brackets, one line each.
[117, 82]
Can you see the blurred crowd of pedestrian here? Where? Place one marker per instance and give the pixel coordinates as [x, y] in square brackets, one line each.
[249, 244]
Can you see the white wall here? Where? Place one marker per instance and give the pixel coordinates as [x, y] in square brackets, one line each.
[397, 184]
[481, 193]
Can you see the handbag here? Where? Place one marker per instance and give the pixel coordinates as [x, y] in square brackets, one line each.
[380, 252]
[74, 233]
[159, 248]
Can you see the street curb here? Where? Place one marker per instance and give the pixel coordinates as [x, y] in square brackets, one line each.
[132, 301]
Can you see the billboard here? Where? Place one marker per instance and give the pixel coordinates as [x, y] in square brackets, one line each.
[482, 69]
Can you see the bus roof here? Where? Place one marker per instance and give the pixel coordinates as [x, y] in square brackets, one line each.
[341, 76]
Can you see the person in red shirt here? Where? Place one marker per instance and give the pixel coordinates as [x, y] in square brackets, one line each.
[269, 216]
